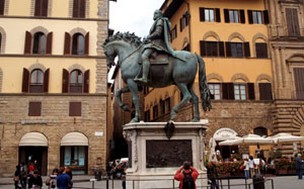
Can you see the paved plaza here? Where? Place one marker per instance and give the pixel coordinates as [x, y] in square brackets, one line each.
[83, 182]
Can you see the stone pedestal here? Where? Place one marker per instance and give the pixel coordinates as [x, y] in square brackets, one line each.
[155, 153]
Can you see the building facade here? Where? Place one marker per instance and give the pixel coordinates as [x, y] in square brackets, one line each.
[253, 52]
[53, 84]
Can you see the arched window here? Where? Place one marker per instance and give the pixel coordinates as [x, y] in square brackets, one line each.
[76, 81]
[78, 43]
[36, 81]
[262, 131]
[39, 46]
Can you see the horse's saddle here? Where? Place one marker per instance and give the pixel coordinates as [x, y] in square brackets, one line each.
[158, 58]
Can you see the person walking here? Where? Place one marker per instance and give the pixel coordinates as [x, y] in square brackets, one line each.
[299, 166]
[52, 179]
[63, 179]
[246, 168]
[212, 175]
[251, 166]
[16, 177]
[186, 175]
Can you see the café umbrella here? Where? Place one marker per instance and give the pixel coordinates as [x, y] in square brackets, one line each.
[281, 138]
[250, 139]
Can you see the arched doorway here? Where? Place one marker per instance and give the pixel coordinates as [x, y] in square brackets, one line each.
[33, 148]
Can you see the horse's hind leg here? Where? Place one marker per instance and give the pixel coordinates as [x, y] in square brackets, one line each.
[186, 97]
[195, 101]
[134, 89]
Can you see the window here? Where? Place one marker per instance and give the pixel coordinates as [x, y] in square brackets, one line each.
[39, 43]
[184, 21]
[155, 112]
[234, 16]
[261, 131]
[34, 109]
[239, 91]
[237, 49]
[147, 115]
[292, 22]
[0, 42]
[173, 33]
[79, 8]
[41, 7]
[258, 17]
[265, 91]
[2, 5]
[78, 44]
[75, 109]
[210, 15]
[76, 81]
[261, 50]
[299, 86]
[212, 48]
[35, 82]
[76, 156]
[215, 89]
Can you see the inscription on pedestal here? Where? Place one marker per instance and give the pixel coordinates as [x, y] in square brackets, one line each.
[167, 153]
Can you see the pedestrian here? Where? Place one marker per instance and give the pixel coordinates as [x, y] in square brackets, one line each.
[63, 179]
[299, 166]
[51, 181]
[16, 177]
[35, 180]
[186, 175]
[251, 166]
[212, 175]
[70, 173]
[23, 175]
[246, 168]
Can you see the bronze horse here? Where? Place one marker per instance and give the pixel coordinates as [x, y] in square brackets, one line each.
[178, 71]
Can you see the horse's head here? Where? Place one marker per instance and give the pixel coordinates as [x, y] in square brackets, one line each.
[113, 45]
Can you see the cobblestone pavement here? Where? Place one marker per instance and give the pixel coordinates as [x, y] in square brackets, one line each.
[83, 182]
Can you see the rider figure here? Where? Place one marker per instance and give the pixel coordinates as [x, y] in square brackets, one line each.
[157, 40]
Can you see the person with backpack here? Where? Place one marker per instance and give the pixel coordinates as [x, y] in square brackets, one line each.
[187, 176]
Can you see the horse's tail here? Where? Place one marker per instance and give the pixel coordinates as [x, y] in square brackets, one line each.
[203, 86]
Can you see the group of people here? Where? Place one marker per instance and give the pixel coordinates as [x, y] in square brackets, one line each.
[30, 178]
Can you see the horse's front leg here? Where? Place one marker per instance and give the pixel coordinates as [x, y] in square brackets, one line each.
[121, 104]
[134, 90]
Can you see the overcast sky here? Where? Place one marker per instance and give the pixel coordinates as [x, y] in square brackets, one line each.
[133, 15]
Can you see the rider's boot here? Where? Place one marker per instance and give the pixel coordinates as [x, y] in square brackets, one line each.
[146, 68]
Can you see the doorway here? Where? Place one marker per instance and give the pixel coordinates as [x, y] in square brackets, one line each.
[28, 154]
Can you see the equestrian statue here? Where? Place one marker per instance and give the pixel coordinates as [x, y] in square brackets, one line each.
[153, 63]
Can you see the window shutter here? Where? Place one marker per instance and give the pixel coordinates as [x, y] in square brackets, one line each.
[228, 49]
[265, 91]
[25, 80]
[87, 43]
[67, 44]
[65, 81]
[299, 78]
[49, 43]
[203, 48]
[221, 49]
[251, 94]
[226, 15]
[86, 81]
[217, 15]
[44, 7]
[247, 49]
[34, 109]
[82, 8]
[28, 43]
[75, 109]
[46, 81]
[250, 18]
[202, 14]
[266, 17]
[37, 8]
[2, 2]
[242, 16]
[228, 91]
[75, 8]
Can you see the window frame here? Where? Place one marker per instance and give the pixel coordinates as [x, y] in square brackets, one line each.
[34, 108]
[41, 8]
[216, 93]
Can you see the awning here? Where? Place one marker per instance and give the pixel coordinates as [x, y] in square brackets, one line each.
[33, 139]
[74, 139]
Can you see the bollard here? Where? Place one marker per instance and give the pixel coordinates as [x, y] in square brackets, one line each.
[93, 182]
